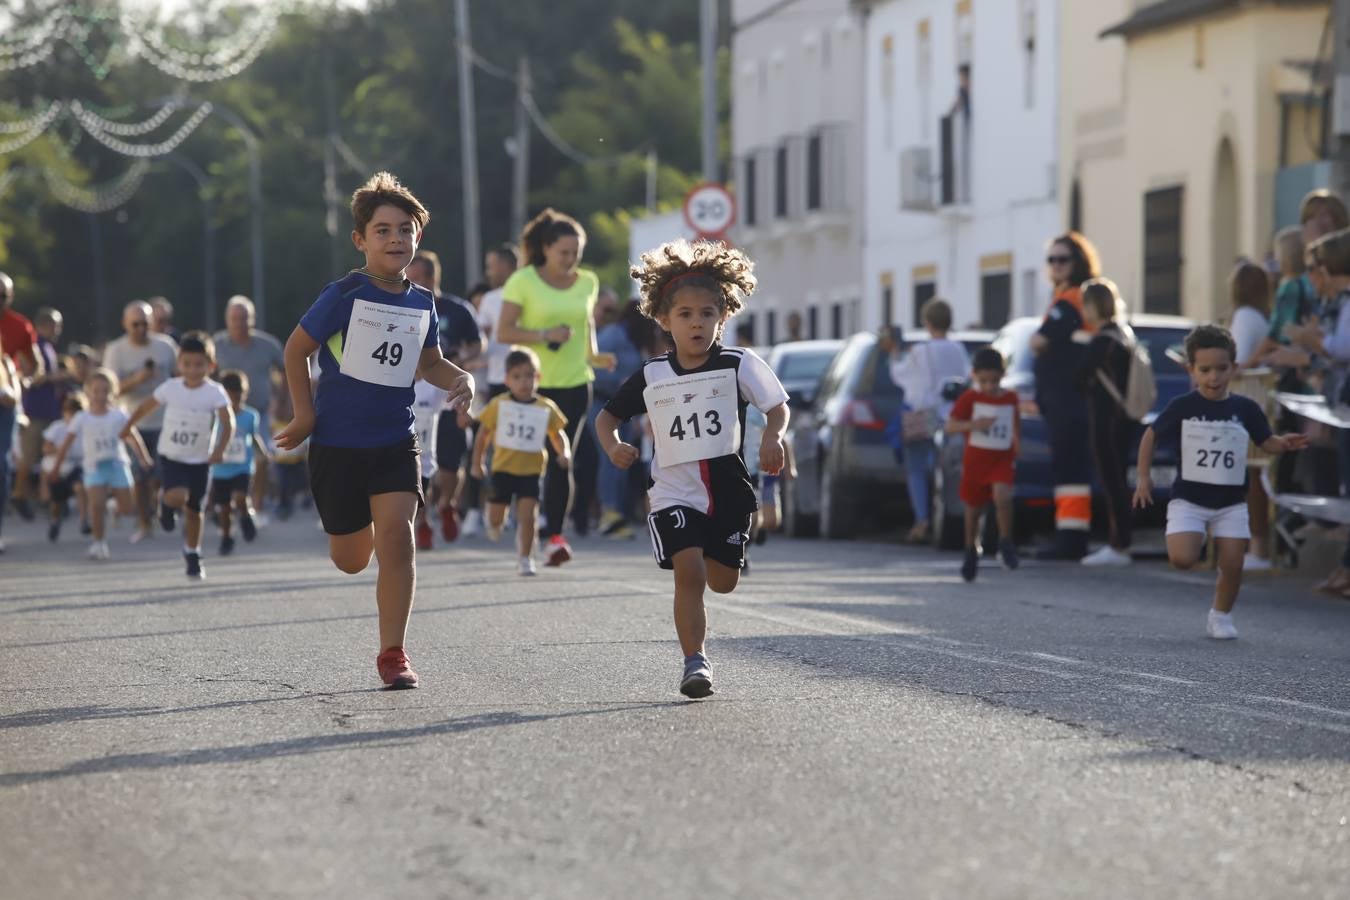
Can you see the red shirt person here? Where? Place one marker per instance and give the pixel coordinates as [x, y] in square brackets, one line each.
[17, 334]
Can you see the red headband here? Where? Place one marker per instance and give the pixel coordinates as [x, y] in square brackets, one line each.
[673, 283]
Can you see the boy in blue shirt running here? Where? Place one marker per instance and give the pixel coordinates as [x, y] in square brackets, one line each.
[230, 479]
[374, 331]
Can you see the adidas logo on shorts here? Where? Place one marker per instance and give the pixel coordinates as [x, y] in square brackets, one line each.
[738, 538]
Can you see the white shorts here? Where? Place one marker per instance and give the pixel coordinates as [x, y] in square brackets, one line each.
[1185, 517]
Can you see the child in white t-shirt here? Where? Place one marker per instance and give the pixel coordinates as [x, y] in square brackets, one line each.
[66, 482]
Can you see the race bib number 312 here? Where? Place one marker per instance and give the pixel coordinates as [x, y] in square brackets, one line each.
[384, 343]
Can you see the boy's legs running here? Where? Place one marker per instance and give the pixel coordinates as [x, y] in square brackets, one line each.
[970, 564]
[496, 516]
[1231, 552]
[527, 521]
[1183, 549]
[393, 542]
[1003, 506]
[691, 620]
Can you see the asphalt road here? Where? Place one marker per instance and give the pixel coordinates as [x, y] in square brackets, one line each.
[881, 729]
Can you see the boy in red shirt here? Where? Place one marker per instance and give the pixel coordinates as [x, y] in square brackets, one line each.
[988, 416]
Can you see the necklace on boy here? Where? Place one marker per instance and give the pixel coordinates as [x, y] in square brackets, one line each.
[370, 274]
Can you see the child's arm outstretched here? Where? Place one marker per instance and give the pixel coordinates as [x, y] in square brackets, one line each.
[1283, 443]
[146, 408]
[226, 431]
[437, 370]
[771, 453]
[299, 348]
[607, 431]
[480, 446]
[1143, 492]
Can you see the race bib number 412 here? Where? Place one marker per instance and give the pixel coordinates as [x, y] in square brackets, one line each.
[384, 343]
[694, 417]
[1213, 452]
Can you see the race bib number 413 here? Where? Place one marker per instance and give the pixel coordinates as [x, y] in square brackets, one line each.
[694, 417]
[384, 343]
[1213, 452]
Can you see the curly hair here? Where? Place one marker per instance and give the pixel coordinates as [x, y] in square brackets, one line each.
[711, 265]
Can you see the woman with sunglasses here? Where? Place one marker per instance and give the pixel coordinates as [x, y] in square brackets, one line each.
[1059, 346]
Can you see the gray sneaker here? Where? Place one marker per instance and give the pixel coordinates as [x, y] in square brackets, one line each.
[697, 680]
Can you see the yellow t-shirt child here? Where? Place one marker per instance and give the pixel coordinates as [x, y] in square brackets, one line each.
[514, 426]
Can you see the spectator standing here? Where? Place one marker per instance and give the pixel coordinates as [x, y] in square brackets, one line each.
[921, 374]
[628, 339]
[1249, 291]
[794, 326]
[161, 318]
[41, 405]
[142, 361]
[11, 393]
[548, 306]
[1059, 346]
[1295, 299]
[1108, 358]
[258, 355]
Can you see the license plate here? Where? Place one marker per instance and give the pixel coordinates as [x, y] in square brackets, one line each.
[1160, 474]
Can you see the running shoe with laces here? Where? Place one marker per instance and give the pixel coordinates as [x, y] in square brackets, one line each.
[449, 524]
[194, 566]
[167, 517]
[525, 566]
[1107, 556]
[1220, 626]
[696, 682]
[558, 551]
[248, 527]
[971, 564]
[424, 537]
[395, 670]
[473, 523]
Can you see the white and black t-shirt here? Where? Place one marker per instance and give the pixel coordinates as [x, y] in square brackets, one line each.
[687, 415]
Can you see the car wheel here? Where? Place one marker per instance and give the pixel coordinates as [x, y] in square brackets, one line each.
[796, 524]
[949, 528]
[838, 518]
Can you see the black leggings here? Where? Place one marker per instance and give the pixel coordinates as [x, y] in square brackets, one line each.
[1110, 447]
[575, 403]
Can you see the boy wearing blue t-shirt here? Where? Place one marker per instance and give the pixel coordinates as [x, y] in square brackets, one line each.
[374, 331]
[230, 479]
[1211, 429]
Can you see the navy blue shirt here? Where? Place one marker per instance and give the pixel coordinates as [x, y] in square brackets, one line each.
[1059, 388]
[459, 326]
[350, 412]
[1233, 408]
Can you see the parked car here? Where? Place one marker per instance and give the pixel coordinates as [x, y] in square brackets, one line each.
[1033, 491]
[800, 365]
[847, 473]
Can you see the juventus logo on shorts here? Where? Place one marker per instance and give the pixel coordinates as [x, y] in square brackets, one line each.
[678, 516]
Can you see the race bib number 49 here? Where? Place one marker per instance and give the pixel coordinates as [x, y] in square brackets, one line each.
[1213, 452]
[694, 417]
[384, 343]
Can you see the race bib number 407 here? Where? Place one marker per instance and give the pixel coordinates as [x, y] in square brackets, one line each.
[694, 417]
[186, 435]
[1213, 452]
[384, 343]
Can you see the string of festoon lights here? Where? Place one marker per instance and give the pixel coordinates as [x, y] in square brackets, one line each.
[98, 198]
[29, 46]
[36, 127]
[105, 131]
[93, 125]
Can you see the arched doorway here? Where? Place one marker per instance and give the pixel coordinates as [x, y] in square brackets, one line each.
[1223, 229]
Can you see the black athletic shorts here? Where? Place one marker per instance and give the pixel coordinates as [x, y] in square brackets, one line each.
[505, 486]
[677, 528]
[451, 442]
[224, 489]
[64, 489]
[193, 476]
[343, 479]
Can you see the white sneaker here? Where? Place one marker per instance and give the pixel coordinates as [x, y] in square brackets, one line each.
[1251, 563]
[525, 566]
[139, 535]
[94, 550]
[493, 532]
[1220, 626]
[1108, 556]
[472, 525]
[261, 519]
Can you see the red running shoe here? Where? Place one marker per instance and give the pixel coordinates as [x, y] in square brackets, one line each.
[449, 524]
[395, 671]
[558, 551]
[424, 536]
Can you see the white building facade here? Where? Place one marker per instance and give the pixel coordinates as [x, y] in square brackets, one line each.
[961, 185]
[797, 104]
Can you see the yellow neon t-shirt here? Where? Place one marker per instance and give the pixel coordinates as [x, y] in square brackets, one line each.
[543, 307]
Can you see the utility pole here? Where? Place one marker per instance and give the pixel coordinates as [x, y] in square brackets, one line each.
[473, 254]
[520, 172]
[708, 54]
[330, 168]
[652, 172]
[1340, 97]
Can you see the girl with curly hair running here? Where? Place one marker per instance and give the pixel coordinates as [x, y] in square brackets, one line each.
[695, 398]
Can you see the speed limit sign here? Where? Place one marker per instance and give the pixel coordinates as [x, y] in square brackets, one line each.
[709, 209]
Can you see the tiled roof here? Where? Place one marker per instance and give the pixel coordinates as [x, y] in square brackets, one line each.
[1172, 12]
